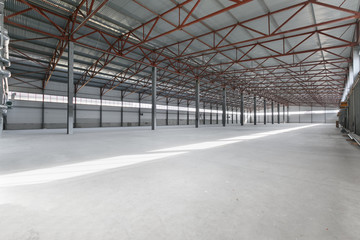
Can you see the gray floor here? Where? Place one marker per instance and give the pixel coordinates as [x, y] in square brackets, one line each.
[233, 183]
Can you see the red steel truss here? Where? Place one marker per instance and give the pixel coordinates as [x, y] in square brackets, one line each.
[270, 75]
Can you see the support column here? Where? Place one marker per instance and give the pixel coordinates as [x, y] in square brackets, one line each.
[227, 115]
[311, 113]
[70, 89]
[211, 113]
[272, 112]
[178, 112]
[2, 105]
[288, 114]
[204, 119]
[1, 119]
[75, 108]
[325, 112]
[232, 115]
[139, 120]
[242, 109]
[356, 70]
[265, 120]
[224, 117]
[236, 114]
[217, 114]
[188, 113]
[101, 108]
[197, 103]
[43, 109]
[255, 110]
[283, 113]
[153, 98]
[167, 112]
[278, 116]
[122, 109]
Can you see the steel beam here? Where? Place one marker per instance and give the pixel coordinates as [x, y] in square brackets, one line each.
[124, 45]
[255, 110]
[224, 116]
[153, 98]
[70, 89]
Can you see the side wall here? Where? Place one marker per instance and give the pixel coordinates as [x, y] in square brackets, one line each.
[352, 112]
[31, 112]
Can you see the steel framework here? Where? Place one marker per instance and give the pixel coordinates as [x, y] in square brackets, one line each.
[278, 55]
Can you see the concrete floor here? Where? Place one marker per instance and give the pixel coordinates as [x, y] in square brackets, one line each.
[251, 182]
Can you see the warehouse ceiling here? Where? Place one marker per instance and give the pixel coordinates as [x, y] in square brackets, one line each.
[290, 52]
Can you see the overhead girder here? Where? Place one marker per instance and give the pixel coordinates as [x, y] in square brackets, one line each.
[180, 60]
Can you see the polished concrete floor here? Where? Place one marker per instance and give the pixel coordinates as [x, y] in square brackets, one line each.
[286, 181]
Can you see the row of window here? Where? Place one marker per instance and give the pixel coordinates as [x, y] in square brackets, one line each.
[111, 103]
[96, 102]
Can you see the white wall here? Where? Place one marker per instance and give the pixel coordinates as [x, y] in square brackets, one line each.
[315, 114]
[28, 114]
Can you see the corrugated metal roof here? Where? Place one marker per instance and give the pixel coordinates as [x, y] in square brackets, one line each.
[200, 48]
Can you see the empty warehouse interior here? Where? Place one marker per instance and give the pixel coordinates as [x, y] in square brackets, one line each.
[179, 119]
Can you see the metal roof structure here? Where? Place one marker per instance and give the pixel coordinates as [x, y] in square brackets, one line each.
[291, 52]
